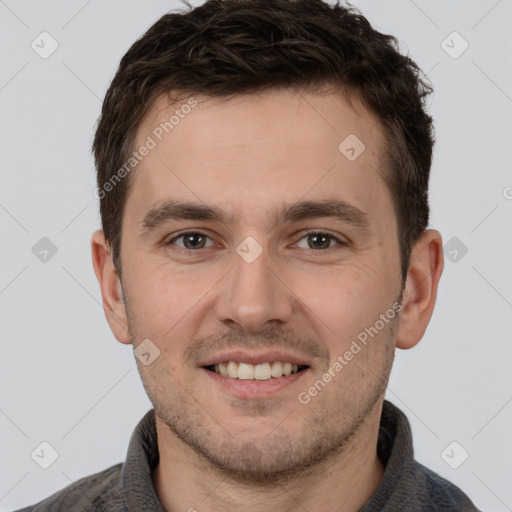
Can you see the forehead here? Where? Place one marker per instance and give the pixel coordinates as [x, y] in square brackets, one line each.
[257, 150]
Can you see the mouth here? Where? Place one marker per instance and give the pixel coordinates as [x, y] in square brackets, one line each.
[251, 375]
[261, 371]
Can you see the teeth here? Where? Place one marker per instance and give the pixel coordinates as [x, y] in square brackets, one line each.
[277, 369]
[262, 371]
[232, 369]
[245, 371]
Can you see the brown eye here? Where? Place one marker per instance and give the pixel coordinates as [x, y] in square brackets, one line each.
[192, 240]
[320, 241]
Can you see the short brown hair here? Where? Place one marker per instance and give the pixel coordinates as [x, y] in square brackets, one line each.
[228, 47]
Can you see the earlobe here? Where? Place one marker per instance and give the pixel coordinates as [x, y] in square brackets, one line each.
[420, 292]
[111, 287]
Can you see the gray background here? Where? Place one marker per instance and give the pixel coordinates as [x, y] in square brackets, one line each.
[64, 379]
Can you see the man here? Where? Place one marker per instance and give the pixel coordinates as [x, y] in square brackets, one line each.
[263, 173]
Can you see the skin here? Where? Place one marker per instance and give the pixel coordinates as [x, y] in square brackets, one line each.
[248, 156]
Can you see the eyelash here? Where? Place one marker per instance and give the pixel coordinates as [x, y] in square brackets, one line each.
[306, 234]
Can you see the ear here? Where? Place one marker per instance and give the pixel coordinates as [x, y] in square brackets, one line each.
[420, 292]
[111, 289]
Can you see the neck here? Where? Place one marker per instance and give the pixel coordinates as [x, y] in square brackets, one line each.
[185, 481]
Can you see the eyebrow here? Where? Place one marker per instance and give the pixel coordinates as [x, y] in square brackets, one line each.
[184, 210]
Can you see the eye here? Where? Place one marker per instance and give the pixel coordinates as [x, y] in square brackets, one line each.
[192, 240]
[320, 240]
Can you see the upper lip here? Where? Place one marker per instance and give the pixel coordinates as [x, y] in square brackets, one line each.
[244, 356]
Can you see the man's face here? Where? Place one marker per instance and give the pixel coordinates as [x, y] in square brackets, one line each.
[265, 283]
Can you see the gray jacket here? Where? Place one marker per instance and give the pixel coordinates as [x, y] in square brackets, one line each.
[407, 486]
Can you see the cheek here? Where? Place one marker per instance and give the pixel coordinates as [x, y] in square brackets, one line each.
[341, 302]
[159, 287]
[165, 302]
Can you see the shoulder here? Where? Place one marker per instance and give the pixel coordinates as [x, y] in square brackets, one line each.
[97, 492]
[432, 491]
[407, 484]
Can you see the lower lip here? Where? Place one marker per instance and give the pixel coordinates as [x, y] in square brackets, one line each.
[242, 388]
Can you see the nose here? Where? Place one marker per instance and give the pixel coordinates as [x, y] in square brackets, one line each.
[254, 296]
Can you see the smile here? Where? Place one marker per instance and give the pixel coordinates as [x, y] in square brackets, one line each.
[262, 371]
